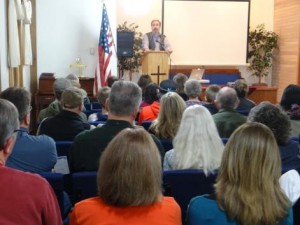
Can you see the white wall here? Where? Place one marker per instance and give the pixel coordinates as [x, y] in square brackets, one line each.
[69, 29]
[141, 12]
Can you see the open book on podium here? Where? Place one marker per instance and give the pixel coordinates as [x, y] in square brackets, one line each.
[155, 64]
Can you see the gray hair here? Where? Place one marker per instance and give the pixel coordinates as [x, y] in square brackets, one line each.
[103, 94]
[192, 88]
[125, 97]
[180, 80]
[197, 144]
[20, 97]
[273, 117]
[59, 86]
[227, 98]
[9, 121]
[241, 88]
[211, 92]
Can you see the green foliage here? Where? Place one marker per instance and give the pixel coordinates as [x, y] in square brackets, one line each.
[261, 46]
[132, 63]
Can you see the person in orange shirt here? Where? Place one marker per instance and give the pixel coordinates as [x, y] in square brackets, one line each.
[129, 186]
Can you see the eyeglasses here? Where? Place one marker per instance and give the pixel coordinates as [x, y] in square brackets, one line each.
[13, 133]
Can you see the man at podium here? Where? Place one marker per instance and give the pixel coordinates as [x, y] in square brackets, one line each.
[154, 40]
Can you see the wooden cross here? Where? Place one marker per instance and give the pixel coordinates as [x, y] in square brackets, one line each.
[158, 74]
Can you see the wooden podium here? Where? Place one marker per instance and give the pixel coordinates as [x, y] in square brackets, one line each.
[155, 63]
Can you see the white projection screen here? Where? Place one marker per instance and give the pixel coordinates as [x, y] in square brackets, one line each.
[207, 32]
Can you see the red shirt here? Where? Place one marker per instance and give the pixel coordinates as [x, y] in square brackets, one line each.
[95, 211]
[27, 199]
[149, 113]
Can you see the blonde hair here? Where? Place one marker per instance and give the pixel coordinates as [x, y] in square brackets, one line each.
[247, 186]
[169, 116]
[197, 144]
[130, 170]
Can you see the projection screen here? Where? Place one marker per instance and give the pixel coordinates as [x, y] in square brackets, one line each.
[207, 32]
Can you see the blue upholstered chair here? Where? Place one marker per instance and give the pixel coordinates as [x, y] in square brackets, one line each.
[295, 139]
[167, 144]
[244, 112]
[296, 212]
[63, 148]
[95, 106]
[56, 180]
[146, 124]
[84, 185]
[183, 185]
[224, 140]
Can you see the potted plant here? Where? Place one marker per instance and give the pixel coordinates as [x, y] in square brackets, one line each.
[131, 63]
[261, 46]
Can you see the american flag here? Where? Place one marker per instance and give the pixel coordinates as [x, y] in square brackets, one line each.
[104, 52]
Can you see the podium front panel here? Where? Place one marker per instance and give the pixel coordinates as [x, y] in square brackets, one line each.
[154, 62]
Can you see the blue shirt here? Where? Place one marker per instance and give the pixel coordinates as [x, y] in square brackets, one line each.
[34, 154]
[203, 210]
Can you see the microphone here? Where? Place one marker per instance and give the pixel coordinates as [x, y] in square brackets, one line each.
[162, 44]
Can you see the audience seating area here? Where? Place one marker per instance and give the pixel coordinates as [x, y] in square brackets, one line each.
[183, 185]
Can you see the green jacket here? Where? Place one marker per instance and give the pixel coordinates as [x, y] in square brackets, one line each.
[227, 121]
[53, 109]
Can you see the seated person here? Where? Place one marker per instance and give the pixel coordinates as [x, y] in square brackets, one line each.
[197, 144]
[129, 186]
[247, 189]
[227, 119]
[210, 97]
[151, 95]
[242, 89]
[54, 108]
[180, 80]
[76, 83]
[150, 112]
[169, 116]
[36, 154]
[290, 102]
[278, 121]
[123, 104]
[143, 81]
[192, 88]
[102, 96]
[67, 123]
[111, 80]
[26, 198]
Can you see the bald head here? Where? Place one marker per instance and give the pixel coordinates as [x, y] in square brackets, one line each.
[227, 98]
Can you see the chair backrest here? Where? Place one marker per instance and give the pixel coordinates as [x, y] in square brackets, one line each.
[296, 212]
[146, 124]
[56, 180]
[167, 144]
[244, 112]
[84, 185]
[294, 138]
[183, 185]
[95, 106]
[63, 148]
[224, 140]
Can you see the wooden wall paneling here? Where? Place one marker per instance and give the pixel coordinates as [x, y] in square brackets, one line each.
[286, 60]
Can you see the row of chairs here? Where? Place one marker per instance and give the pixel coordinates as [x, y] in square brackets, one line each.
[181, 184]
[75, 187]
